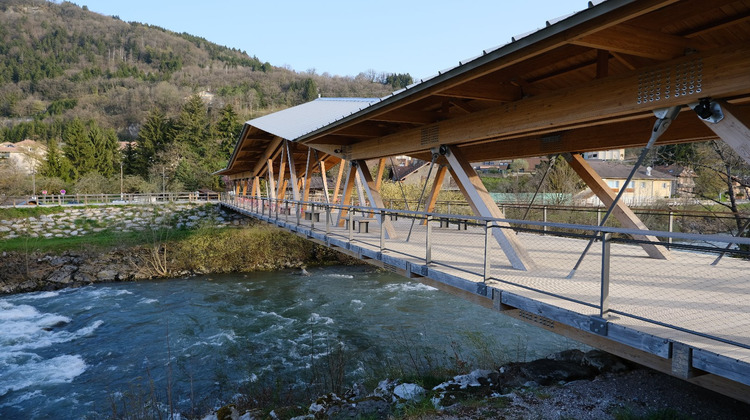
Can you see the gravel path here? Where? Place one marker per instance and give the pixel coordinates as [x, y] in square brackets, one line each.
[632, 394]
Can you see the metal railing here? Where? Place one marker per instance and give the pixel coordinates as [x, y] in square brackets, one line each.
[86, 199]
[615, 279]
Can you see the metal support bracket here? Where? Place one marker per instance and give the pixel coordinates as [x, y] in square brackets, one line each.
[708, 110]
[598, 325]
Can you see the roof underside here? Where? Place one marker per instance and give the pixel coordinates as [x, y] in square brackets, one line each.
[586, 83]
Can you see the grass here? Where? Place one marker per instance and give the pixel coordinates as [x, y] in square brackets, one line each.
[104, 240]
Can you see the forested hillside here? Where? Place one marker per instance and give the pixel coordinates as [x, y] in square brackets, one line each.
[69, 76]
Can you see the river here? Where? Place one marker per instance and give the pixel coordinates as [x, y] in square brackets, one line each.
[91, 351]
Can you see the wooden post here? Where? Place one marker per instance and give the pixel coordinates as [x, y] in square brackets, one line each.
[281, 174]
[733, 129]
[483, 205]
[338, 181]
[325, 181]
[381, 169]
[347, 195]
[306, 195]
[621, 211]
[375, 199]
[436, 186]
[271, 181]
[292, 172]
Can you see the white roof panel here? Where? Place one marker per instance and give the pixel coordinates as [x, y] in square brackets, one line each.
[292, 123]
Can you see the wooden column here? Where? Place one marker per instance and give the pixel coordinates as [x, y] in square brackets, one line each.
[338, 181]
[282, 188]
[436, 186]
[622, 212]
[381, 169]
[244, 186]
[375, 199]
[325, 181]
[281, 173]
[256, 187]
[347, 194]
[306, 194]
[292, 172]
[271, 181]
[733, 129]
[485, 206]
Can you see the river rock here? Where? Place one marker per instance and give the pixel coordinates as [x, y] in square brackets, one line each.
[107, 275]
[63, 275]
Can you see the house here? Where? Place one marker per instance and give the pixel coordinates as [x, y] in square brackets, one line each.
[27, 155]
[616, 154]
[684, 179]
[647, 185]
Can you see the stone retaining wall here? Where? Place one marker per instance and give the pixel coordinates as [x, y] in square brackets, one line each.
[76, 221]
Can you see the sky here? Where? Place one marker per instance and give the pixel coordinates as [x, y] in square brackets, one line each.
[347, 37]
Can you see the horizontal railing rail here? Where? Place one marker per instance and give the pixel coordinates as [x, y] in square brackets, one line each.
[127, 198]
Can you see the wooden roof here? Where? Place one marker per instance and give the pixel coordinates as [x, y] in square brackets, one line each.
[589, 82]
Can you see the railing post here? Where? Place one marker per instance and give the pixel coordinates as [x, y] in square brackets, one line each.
[350, 223]
[428, 240]
[545, 217]
[604, 296]
[382, 231]
[298, 212]
[276, 208]
[328, 219]
[487, 263]
[671, 225]
[312, 216]
[598, 216]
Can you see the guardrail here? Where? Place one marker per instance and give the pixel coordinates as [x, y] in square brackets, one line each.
[706, 273]
[86, 199]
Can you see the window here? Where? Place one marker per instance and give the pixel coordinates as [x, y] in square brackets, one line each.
[613, 184]
[664, 185]
[632, 184]
[643, 185]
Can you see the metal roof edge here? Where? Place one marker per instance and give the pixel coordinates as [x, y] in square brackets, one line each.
[592, 12]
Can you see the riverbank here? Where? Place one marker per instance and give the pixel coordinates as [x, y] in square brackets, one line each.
[161, 254]
[565, 385]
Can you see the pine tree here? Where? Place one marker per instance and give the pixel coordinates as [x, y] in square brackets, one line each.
[55, 164]
[153, 137]
[192, 126]
[78, 148]
[227, 130]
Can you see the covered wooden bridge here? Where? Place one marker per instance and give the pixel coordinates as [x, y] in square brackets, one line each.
[618, 74]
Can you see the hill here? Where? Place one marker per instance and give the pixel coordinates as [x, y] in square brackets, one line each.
[61, 59]
[61, 63]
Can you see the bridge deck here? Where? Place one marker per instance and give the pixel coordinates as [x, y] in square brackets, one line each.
[683, 310]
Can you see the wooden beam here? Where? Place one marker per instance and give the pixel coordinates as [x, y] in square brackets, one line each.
[282, 182]
[724, 73]
[267, 153]
[346, 198]
[477, 194]
[271, 181]
[338, 181]
[733, 129]
[325, 180]
[306, 195]
[478, 89]
[375, 199]
[292, 172]
[639, 42]
[381, 169]
[625, 134]
[602, 64]
[622, 212]
[408, 117]
[256, 187]
[437, 184]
